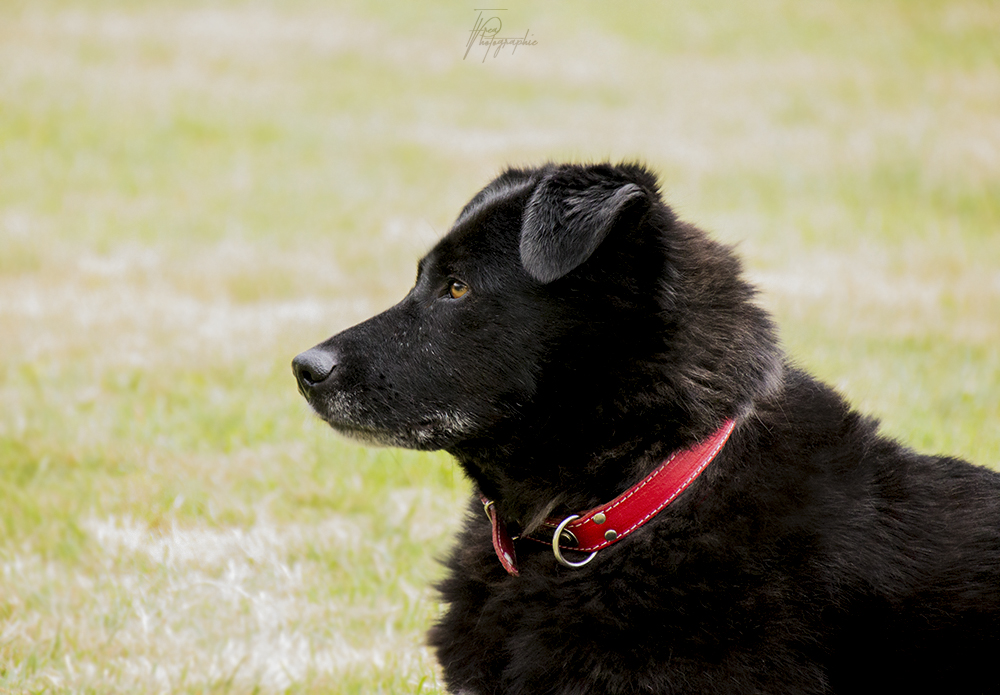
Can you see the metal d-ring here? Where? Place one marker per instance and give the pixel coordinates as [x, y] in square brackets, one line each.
[555, 545]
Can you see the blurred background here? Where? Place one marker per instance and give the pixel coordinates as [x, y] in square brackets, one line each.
[193, 192]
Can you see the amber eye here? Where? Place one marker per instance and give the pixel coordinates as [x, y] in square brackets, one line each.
[457, 289]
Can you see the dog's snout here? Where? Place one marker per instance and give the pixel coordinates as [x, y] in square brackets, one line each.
[313, 367]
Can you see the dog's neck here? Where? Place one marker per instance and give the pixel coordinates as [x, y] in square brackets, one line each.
[530, 476]
[531, 473]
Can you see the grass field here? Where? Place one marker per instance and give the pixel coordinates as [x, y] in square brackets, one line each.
[193, 192]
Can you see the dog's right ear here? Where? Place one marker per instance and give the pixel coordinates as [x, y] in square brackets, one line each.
[567, 218]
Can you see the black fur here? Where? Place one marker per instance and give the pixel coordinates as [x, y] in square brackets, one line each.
[597, 335]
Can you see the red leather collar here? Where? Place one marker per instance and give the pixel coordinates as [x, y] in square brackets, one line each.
[601, 526]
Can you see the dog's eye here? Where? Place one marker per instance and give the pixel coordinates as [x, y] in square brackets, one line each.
[457, 289]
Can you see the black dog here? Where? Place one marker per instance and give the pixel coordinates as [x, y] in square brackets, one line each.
[566, 338]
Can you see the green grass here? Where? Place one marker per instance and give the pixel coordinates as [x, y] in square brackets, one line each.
[191, 193]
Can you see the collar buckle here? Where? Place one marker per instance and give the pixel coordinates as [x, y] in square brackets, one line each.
[558, 534]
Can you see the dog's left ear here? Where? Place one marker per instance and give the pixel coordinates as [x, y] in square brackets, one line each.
[567, 219]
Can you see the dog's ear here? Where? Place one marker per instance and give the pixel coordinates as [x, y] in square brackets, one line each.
[566, 219]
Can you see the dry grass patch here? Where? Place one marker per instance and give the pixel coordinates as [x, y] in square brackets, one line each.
[219, 610]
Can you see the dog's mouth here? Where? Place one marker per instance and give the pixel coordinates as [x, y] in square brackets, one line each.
[436, 431]
[364, 435]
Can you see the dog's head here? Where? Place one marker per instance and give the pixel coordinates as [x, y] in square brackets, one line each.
[563, 299]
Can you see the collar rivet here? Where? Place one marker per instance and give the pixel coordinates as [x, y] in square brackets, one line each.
[599, 518]
[610, 534]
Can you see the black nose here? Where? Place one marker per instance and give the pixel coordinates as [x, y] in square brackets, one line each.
[313, 367]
